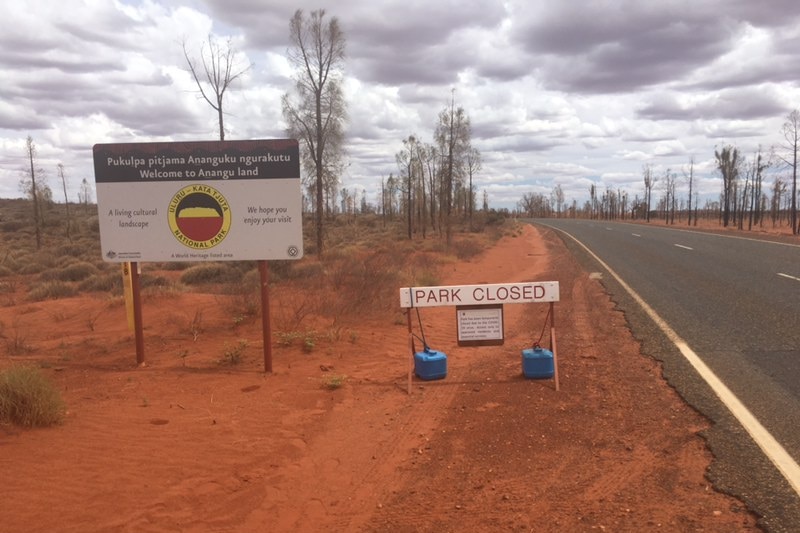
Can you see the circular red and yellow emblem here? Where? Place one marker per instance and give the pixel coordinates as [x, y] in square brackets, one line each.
[199, 216]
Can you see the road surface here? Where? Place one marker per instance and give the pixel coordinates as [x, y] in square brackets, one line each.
[735, 302]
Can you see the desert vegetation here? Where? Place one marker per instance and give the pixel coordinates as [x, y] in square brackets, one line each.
[28, 398]
[360, 246]
[314, 301]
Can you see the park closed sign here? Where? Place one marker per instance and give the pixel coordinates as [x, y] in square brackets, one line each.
[199, 201]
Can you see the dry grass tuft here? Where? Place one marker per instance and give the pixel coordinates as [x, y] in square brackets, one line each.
[28, 398]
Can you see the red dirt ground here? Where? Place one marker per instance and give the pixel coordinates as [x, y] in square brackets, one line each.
[184, 444]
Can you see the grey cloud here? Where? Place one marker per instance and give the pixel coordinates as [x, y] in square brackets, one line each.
[523, 143]
[25, 120]
[782, 64]
[733, 104]
[103, 31]
[645, 137]
[423, 94]
[727, 130]
[505, 69]
[394, 42]
[775, 14]
[594, 48]
[155, 118]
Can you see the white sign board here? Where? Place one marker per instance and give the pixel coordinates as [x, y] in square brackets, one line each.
[501, 293]
[199, 201]
[480, 324]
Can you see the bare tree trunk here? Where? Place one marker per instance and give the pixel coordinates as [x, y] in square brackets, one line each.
[37, 220]
[66, 198]
[219, 72]
[317, 118]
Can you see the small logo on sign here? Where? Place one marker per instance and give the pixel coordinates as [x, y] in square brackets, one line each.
[199, 216]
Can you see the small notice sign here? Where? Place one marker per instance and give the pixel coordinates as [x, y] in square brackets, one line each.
[480, 325]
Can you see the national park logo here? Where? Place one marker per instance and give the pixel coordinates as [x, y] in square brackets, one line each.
[199, 216]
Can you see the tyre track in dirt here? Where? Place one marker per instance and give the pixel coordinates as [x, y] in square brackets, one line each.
[344, 475]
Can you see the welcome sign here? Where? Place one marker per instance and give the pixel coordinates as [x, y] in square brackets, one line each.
[199, 201]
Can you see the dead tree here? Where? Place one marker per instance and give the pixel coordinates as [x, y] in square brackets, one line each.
[216, 71]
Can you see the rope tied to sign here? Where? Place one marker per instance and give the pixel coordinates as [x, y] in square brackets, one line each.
[421, 331]
[537, 344]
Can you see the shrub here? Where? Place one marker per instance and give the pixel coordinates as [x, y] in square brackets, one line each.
[8, 287]
[74, 272]
[210, 273]
[287, 338]
[280, 269]
[363, 283]
[13, 226]
[309, 343]
[426, 278]
[107, 282]
[92, 224]
[307, 270]
[147, 281]
[72, 250]
[333, 381]
[175, 266]
[26, 268]
[467, 248]
[233, 354]
[51, 290]
[28, 398]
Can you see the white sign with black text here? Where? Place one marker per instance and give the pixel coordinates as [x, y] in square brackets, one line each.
[199, 201]
[480, 323]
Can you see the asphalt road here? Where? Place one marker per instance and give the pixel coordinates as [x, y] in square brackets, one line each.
[736, 303]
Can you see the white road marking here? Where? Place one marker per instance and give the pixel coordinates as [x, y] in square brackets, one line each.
[635, 234]
[773, 449]
[684, 247]
[763, 241]
[788, 276]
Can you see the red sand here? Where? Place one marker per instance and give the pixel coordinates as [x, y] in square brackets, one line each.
[185, 444]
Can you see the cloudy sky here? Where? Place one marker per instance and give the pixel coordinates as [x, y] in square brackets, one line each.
[558, 92]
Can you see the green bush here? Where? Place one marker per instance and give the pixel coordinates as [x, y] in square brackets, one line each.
[28, 398]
